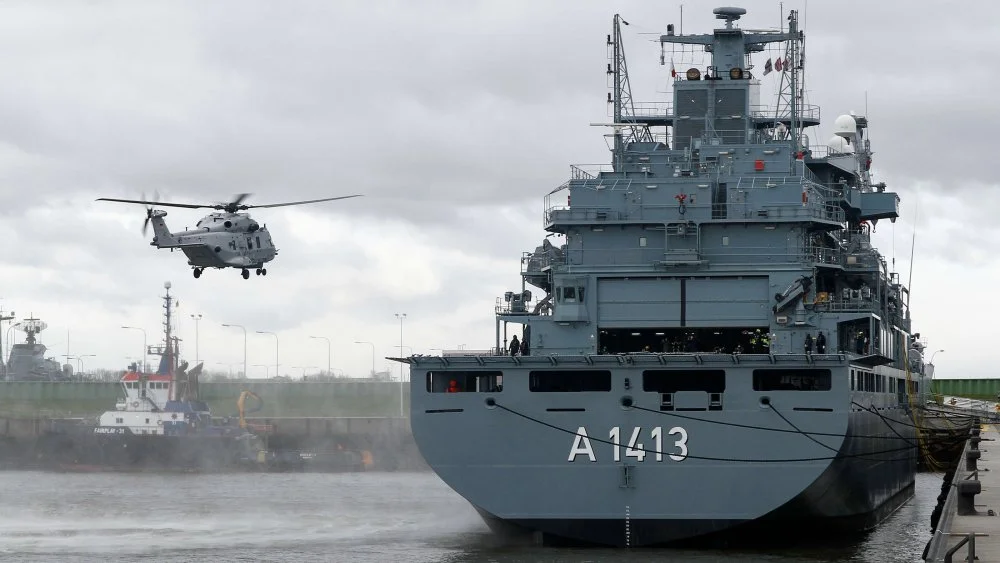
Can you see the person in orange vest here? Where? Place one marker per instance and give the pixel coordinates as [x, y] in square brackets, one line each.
[453, 386]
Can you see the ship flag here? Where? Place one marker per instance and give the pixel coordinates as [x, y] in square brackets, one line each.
[777, 64]
[673, 71]
[767, 67]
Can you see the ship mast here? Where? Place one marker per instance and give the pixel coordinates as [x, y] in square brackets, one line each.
[621, 98]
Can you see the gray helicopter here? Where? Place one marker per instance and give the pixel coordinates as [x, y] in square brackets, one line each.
[224, 239]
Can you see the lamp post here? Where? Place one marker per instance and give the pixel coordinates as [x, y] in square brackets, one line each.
[3, 360]
[373, 353]
[197, 354]
[244, 345]
[79, 361]
[328, 348]
[932, 356]
[9, 343]
[401, 316]
[143, 370]
[276, 372]
[266, 368]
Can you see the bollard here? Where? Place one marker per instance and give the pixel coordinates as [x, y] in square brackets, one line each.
[970, 459]
[967, 491]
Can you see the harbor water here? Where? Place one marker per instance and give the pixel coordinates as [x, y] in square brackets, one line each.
[361, 517]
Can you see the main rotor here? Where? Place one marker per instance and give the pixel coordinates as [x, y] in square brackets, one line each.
[231, 207]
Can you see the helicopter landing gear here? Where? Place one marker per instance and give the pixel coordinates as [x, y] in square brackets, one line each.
[197, 273]
[246, 274]
[258, 271]
[261, 271]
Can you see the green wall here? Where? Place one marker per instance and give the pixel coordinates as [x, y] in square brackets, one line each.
[281, 398]
[985, 389]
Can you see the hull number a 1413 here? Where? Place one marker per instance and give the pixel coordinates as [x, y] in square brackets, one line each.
[582, 445]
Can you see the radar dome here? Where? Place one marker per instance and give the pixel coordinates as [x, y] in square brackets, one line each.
[845, 127]
[839, 145]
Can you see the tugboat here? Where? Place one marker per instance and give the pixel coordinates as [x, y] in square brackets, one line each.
[158, 423]
[720, 351]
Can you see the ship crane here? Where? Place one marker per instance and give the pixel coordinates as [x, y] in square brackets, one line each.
[241, 404]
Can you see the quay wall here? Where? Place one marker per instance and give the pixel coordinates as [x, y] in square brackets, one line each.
[338, 398]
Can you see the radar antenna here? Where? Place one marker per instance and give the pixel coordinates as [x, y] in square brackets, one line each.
[624, 109]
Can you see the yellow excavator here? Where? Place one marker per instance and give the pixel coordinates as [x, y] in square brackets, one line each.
[241, 404]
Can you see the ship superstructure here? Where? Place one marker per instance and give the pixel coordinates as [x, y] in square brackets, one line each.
[28, 361]
[718, 347]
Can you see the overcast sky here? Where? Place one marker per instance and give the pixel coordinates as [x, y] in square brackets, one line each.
[454, 119]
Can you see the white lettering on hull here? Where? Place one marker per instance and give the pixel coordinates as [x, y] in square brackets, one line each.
[635, 449]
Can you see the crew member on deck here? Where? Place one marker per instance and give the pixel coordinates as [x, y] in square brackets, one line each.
[809, 343]
[453, 386]
[515, 345]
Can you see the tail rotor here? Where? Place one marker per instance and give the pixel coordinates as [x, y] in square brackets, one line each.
[149, 211]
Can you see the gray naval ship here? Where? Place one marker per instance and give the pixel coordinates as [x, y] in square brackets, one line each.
[27, 361]
[719, 350]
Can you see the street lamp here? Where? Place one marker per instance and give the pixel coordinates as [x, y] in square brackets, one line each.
[266, 372]
[79, 361]
[9, 342]
[401, 316]
[197, 355]
[276, 372]
[328, 354]
[373, 353]
[932, 356]
[143, 370]
[3, 318]
[244, 345]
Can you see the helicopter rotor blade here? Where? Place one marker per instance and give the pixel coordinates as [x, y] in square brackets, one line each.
[301, 202]
[156, 203]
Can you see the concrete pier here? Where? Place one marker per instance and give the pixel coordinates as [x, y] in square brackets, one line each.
[969, 525]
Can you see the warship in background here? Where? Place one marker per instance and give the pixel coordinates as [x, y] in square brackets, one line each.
[27, 361]
[720, 352]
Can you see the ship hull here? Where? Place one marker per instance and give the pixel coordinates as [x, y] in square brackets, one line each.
[85, 451]
[748, 472]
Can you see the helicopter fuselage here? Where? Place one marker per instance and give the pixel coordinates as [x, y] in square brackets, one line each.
[218, 240]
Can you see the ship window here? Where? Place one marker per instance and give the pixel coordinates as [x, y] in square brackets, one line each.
[642, 241]
[147, 421]
[569, 293]
[674, 380]
[791, 380]
[465, 381]
[569, 381]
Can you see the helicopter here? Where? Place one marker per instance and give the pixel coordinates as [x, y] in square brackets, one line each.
[223, 239]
